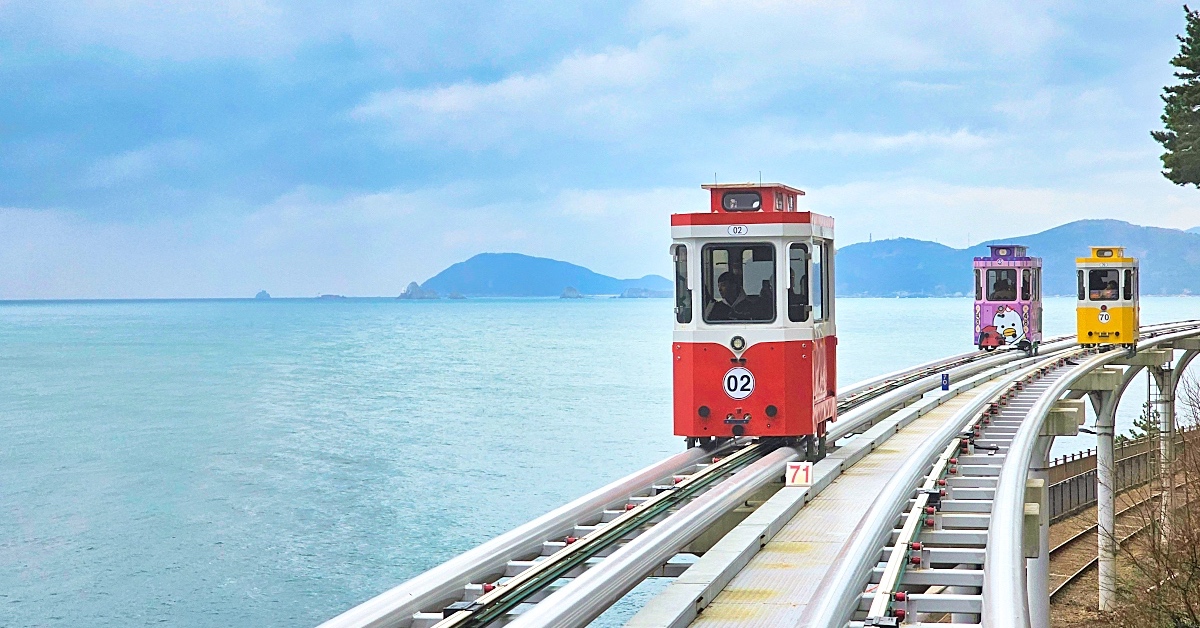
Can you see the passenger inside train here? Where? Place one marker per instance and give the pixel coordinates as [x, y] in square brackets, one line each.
[1002, 284]
[1102, 284]
[733, 304]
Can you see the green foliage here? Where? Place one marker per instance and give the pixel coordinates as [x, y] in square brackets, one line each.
[1181, 112]
[1146, 425]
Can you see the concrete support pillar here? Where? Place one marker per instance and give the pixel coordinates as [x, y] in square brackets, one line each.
[1037, 581]
[1166, 381]
[1105, 405]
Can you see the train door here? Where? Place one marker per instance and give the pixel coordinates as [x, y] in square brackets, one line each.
[810, 299]
[1031, 294]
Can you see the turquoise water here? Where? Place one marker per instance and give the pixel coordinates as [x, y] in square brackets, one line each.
[216, 463]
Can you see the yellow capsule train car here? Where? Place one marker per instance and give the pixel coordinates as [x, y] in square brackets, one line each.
[1108, 308]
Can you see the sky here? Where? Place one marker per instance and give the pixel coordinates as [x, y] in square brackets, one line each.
[160, 148]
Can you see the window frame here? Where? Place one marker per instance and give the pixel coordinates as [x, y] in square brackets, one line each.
[989, 285]
[707, 279]
[1026, 284]
[1092, 294]
[805, 304]
[725, 196]
[818, 265]
[683, 287]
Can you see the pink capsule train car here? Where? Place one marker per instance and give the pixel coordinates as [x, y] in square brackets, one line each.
[1008, 299]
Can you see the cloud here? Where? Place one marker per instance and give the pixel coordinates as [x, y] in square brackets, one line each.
[142, 163]
[592, 95]
[166, 149]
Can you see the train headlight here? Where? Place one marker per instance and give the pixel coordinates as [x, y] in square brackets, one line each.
[737, 343]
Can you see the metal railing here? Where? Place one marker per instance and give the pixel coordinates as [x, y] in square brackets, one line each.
[1073, 477]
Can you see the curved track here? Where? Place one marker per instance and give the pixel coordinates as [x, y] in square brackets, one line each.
[586, 554]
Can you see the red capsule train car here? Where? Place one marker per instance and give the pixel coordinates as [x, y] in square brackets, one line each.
[755, 341]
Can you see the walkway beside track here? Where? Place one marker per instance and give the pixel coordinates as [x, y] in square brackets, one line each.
[811, 541]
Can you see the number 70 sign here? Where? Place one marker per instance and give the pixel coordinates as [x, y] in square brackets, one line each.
[798, 474]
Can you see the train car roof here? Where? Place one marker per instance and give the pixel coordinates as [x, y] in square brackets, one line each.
[751, 186]
[1101, 254]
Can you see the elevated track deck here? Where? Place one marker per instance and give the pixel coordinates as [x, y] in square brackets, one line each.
[812, 555]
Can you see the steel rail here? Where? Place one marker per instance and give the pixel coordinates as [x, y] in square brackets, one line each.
[494, 604]
[869, 408]
[597, 589]
[621, 574]
[1005, 602]
[860, 555]
[444, 583]
[939, 365]
[1082, 534]
[835, 611]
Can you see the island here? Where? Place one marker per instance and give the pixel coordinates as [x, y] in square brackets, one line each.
[414, 291]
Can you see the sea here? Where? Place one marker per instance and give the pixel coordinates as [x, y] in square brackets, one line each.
[272, 463]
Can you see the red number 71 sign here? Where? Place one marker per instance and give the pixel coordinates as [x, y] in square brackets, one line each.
[798, 474]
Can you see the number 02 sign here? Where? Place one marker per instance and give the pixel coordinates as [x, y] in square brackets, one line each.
[798, 474]
[738, 383]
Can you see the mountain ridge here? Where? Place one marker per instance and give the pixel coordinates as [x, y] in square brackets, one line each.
[899, 267]
[519, 275]
[1170, 261]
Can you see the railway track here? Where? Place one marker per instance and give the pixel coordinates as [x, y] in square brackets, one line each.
[904, 571]
[544, 576]
[501, 580]
[1087, 536]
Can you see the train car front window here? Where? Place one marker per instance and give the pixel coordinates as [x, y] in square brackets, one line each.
[1002, 284]
[1082, 287]
[978, 285]
[741, 201]
[683, 294]
[738, 283]
[798, 305]
[1026, 285]
[1102, 284]
[1129, 284]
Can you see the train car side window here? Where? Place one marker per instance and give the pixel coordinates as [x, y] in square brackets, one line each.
[683, 294]
[1026, 285]
[978, 285]
[1037, 283]
[738, 283]
[818, 282]
[1002, 284]
[798, 306]
[1128, 284]
[1102, 284]
[1082, 291]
